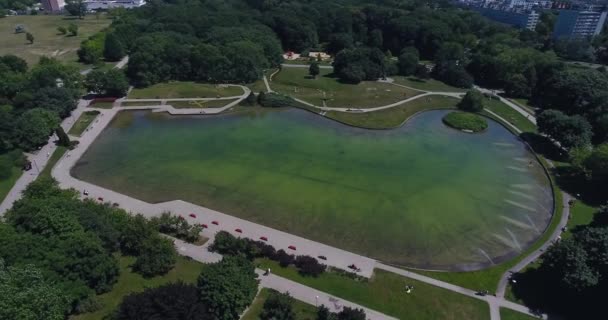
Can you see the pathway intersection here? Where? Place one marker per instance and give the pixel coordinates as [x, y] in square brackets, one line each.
[336, 257]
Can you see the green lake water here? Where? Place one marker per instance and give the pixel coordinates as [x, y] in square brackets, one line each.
[423, 195]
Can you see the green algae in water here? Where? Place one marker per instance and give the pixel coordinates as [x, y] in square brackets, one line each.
[422, 195]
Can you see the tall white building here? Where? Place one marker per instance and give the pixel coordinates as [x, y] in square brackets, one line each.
[53, 5]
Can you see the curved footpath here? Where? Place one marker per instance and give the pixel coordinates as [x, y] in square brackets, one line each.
[336, 257]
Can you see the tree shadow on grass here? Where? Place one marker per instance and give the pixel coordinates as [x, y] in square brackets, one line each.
[544, 146]
[570, 179]
[542, 293]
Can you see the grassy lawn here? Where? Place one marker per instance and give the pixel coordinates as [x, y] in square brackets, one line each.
[302, 310]
[465, 121]
[306, 61]
[7, 184]
[83, 122]
[46, 172]
[508, 314]
[295, 82]
[200, 104]
[426, 85]
[128, 282]
[580, 214]
[524, 103]
[509, 114]
[385, 292]
[392, 117]
[259, 85]
[102, 104]
[47, 40]
[184, 89]
[140, 103]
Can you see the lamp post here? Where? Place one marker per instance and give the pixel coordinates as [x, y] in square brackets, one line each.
[317, 301]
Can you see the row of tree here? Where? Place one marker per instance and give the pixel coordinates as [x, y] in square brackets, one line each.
[72, 244]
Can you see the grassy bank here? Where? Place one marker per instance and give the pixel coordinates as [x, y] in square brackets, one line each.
[465, 121]
[302, 310]
[385, 292]
[83, 122]
[185, 89]
[426, 84]
[46, 172]
[129, 281]
[509, 114]
[200, 104]
[392, 117]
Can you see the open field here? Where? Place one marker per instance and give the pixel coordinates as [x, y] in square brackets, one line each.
[47, 40]
[426, 84]
[7, 184]
[101, 104]
[296, 82]
[200, 104]
[392, 117]
[129, 281]
[302, 310]
[83, 122]
[184, 89]
[509, 114]
[385, 292]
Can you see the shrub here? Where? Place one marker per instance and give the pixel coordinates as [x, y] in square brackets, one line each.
[472, 101]
[309, 266]
[284, 258]
[275, 100]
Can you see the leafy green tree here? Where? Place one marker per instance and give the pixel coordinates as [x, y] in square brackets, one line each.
[597, 162]
[112, 82]
[517, 86]
[73, 29]
[76, 8]
[351, 314]
[26, 294]
[472, 101]
[313, 69]
[157, 257]
[323, 313]
[14, 63]
[49, 72]
[567, 261]
[34, 128]
[134, 235]
[408, 61]
[228, 287]
[170, 301]
[422, 72]
[92, 49]
[29, 37]
[113, 49]
[339, 41]
[278, 306]
[62, 30]
[356, 65]
[59, 100]
[569, 131]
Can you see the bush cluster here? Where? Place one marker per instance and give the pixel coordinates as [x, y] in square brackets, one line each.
[227, 244]
[177, 226]
[275, 100]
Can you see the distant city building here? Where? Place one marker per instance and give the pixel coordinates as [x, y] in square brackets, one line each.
[519, 19]
[53, 5]
[102, 5]
[579, 23]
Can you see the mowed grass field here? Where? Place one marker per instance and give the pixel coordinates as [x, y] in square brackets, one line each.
[297, 83]
[385, 292]
[185, 89]
[426, 84]
[128, 282]
[47, 40]
[83, 122]
[302, 310]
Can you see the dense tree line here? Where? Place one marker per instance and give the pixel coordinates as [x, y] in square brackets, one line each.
[32, 102]
[72, 243]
